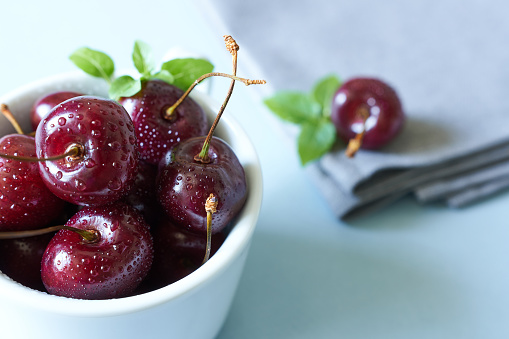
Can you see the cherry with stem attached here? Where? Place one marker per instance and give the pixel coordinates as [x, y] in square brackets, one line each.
[21, 252]
[163, 115]
[110, 265]
[155, 132]
[196, 168]
[86, 151]
[25, 201]
[100, 253]
[367, 113]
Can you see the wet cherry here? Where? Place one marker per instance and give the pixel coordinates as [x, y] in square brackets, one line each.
[111, 266]
[20, 259]
[142, 195]
[46, 103]
[201, 183]
[177, 253]
[87, 152]
[184, 184]
[25, 201]
[156, 131]
[367, 112]
[106, 160]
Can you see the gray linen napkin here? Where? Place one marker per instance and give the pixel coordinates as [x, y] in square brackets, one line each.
[445, 58]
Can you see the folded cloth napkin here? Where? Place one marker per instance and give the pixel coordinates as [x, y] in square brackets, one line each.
[445, 58]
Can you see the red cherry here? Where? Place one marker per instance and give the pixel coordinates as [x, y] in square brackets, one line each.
[177, 253]
[369, 107]
[201, 183]
[107, 160]
[111, 267]
[45, 104]
[184, 184]
[156, 132]
[20, 259]
[25, 201]
[142, 195]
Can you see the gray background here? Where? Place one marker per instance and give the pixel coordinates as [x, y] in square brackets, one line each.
[446, 59]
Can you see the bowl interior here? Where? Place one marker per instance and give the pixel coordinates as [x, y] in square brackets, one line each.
[20, 102]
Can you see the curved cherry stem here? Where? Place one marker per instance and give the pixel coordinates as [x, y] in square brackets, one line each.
[171, 110]
[233, 48]
[355, 144]
[211, 208]
[8, 114]
[90, 236]
[74, 152]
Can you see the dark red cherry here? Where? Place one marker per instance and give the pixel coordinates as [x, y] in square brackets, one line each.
[369, 105]
[156, 133]
[177, 253]
[107, 160]
[20, 259]
[184, 184]
[66, 214]
[111, 267]
[46, 103]
[142, 195]
[25, 201]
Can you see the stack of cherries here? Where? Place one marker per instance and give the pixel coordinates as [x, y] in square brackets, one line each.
[135, 193]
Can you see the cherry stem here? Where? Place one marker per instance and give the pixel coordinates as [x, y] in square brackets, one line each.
[211, 208]
[8, 114]
[233, 48]
[355, 144]
[74, 152]
[171, 110]
[90, 236]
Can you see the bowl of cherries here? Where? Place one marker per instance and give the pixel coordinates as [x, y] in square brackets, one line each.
[122, 216]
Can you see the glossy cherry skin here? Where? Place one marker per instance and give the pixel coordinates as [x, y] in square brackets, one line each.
[109, 163]
[20, 259]
[46, 103]
[184, 184]
[142, 195]
[156, 135]
[177, 253]
[386, 116]
[25, 201]
[110, 268]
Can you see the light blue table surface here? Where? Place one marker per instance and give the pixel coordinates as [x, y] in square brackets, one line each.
[408, 271]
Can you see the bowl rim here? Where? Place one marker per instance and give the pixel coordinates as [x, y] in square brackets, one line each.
[237, 241]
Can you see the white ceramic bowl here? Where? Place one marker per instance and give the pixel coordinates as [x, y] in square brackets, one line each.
[194, 307]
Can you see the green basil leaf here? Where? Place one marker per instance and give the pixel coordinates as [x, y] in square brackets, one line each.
[165, 76]
[124, 86]
[324, 90]
[315, 139]
[294, 107]
[143, 58]
[186, 70]
[95, 63]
